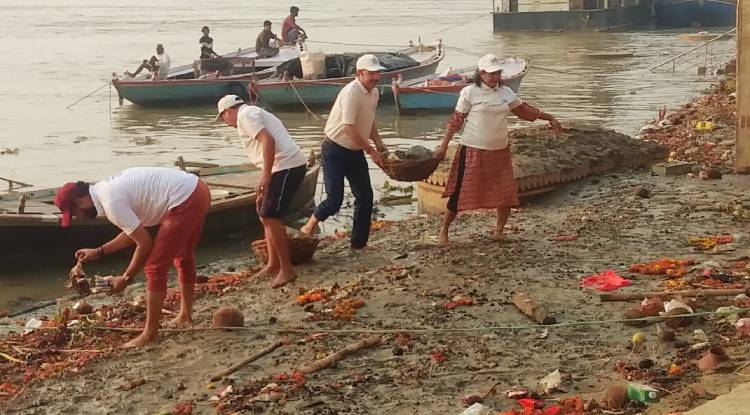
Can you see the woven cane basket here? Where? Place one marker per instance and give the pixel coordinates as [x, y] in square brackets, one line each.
[301, 249]
[409, 170]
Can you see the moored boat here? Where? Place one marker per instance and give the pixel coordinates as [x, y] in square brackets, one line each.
[30, 223]
[288, 90]
[440, 92]
[188, 85]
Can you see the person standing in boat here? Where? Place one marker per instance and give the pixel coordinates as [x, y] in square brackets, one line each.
[133, 200]
[263, 42]
[349, 129]
[207, 45]
[481, 176]
[269, 147]
[290, 30]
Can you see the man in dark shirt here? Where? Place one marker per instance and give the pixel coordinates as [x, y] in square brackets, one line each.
[263, 42]
[207, 45]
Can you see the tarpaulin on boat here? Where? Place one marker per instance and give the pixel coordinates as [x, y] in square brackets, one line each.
[344, 64]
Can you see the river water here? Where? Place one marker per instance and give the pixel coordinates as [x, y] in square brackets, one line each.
[58, 52]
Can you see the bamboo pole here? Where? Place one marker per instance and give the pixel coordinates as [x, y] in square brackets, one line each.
[720, 292]
[247, 361]
[742, 159]
[335, 357]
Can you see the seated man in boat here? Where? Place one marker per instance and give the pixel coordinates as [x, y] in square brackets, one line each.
[158, 65]
[290, 31]
[270, 147]
[133, 200]
[263, 43]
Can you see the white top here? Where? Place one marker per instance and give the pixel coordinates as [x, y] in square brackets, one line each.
[355, 106]
[486, 126]
[164, 62]
[141, 195]
[251, 120]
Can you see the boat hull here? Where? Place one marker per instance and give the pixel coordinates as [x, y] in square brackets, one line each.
[595, 20]
[179, 93]
[689, 13]
[412, 100]
[33, 240]
[290, 94]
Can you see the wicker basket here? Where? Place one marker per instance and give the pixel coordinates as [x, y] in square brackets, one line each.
[301, 248]
[409, 170]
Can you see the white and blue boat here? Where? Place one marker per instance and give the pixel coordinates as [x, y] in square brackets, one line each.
[439, 93]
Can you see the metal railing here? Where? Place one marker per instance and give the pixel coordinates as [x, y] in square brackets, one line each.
[711, 52]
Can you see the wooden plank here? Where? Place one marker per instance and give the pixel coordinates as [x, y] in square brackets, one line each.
[246, 180]
[204, 172]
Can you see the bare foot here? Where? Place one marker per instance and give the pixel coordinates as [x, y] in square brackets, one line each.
[180, 321]
[267, 272]
[498, 236]
[443, 239]
[283, 279]
[142, 340]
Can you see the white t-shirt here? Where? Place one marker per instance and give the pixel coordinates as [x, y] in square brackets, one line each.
[486, 126]
[141, 195]
[164, 63]
[355, 106]
[250, 120]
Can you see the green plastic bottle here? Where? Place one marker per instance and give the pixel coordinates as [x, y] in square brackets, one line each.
[642, 393]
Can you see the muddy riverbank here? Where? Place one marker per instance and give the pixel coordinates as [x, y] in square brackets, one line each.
[407, 283]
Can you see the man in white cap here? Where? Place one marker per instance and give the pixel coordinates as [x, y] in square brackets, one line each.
[270, 147]
[349, 130]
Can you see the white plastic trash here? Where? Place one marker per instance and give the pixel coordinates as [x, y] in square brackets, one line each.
[478, 409]
[32, 325]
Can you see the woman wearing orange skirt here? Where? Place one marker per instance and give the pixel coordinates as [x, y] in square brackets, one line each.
[482, 173]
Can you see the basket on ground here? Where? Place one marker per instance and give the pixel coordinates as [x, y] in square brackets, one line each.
[301, 247]
[409, 170]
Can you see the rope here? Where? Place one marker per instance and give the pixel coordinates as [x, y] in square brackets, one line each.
[427, 330]
[89, 94]
[303, 101]
[462, 23]
[354, 44]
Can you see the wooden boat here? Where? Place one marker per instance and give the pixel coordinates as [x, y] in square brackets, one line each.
[279, 93]
[30, 223]
[184, 86]
[440, 92]
[691, 13]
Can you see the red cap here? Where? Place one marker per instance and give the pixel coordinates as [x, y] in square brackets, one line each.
[65, 200]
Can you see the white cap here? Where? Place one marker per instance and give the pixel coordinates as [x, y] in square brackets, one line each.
[370, 63]
[489, 63]
[227, 102]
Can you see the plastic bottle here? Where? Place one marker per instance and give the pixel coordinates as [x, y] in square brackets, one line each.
[642, 393]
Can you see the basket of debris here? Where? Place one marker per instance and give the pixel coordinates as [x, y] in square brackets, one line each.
[301, 247]
[414, 165]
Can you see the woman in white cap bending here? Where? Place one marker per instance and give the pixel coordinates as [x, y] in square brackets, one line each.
[482, 173]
